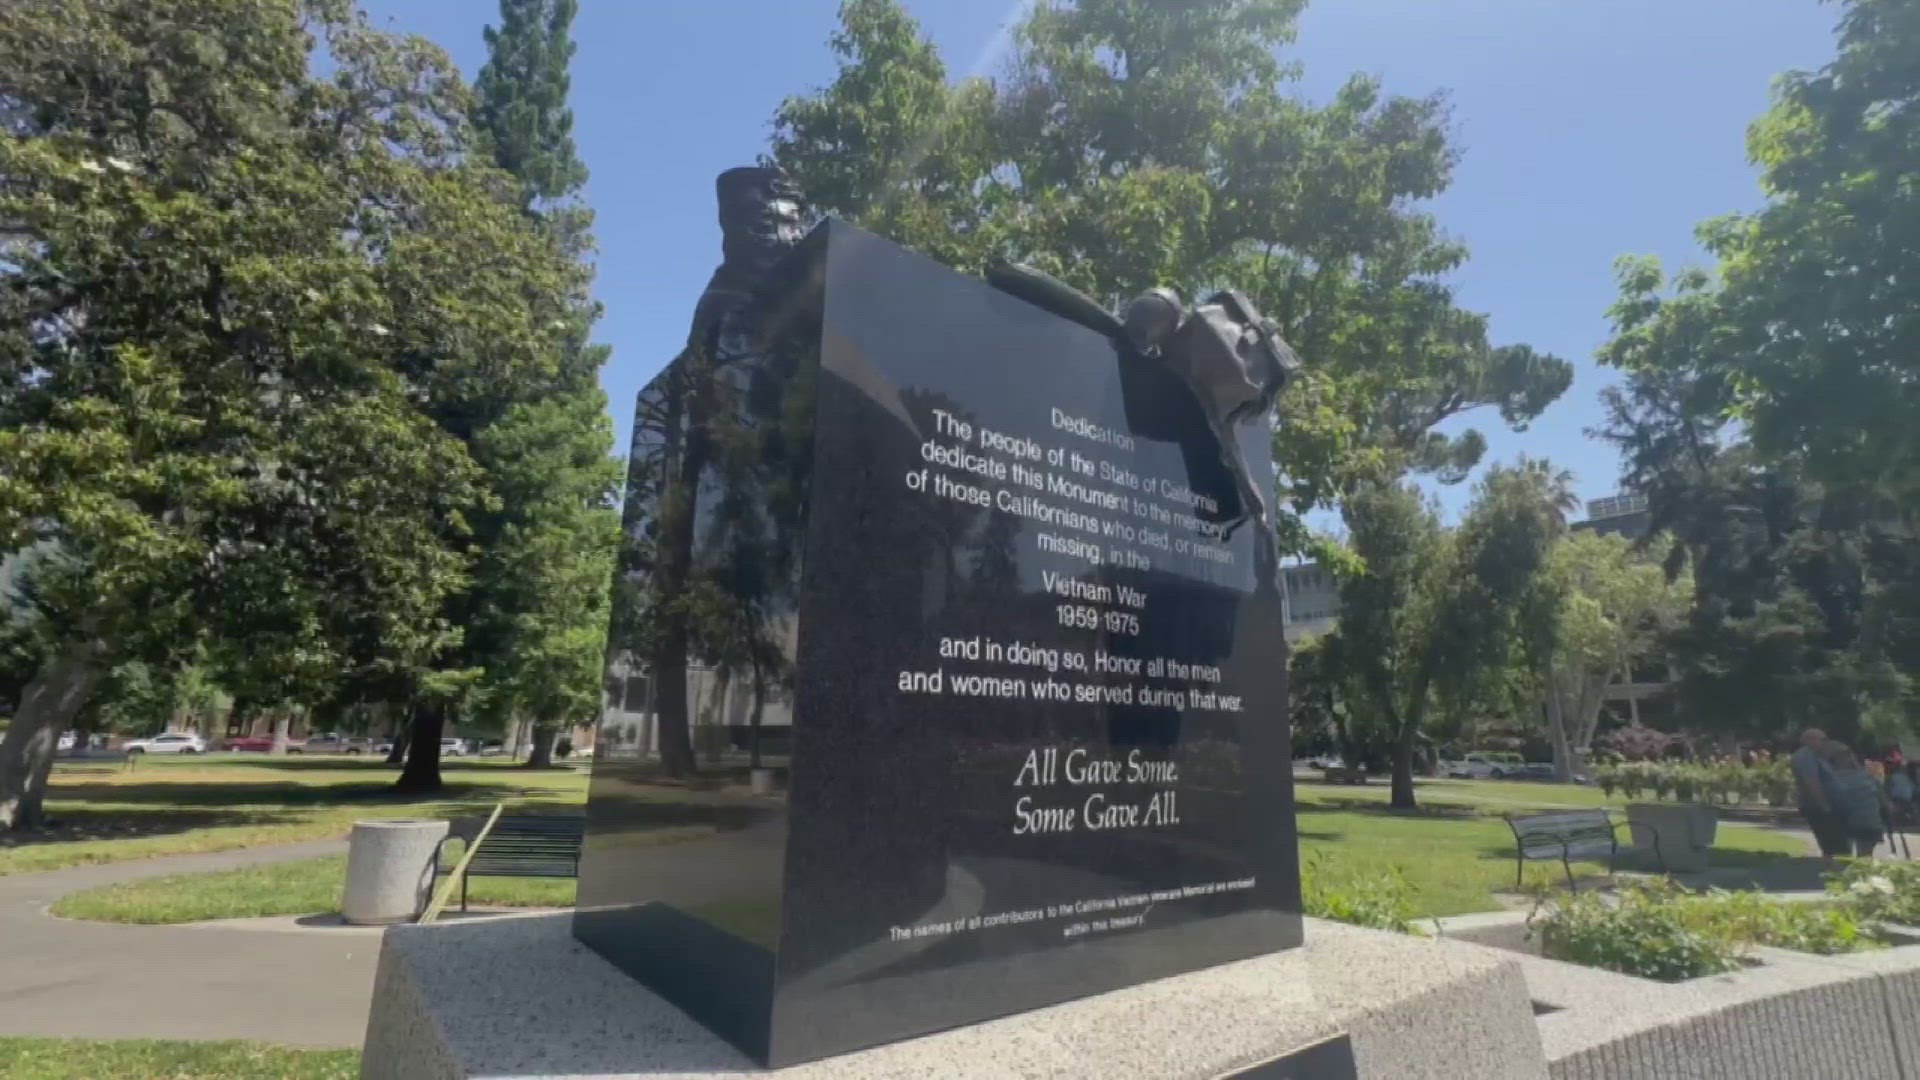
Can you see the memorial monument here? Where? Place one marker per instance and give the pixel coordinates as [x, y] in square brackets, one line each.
[992, 570]
[945, 697]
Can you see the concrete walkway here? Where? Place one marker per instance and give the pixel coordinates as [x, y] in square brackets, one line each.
[58, 977]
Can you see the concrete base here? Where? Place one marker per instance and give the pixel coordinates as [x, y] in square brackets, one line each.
[517, 999]
[1790, 1015]
[389, 870]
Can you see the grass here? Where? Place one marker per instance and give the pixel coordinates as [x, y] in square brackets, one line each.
[144, 1059]
[1455, 851]
[169, 806]
[297, 887]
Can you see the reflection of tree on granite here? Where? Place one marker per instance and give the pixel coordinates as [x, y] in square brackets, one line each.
[974, 545]
[752, 538]
[760, 220]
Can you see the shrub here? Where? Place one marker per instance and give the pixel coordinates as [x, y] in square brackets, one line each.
[1758, 919]
[1880, 889]
[1608, 777]
[1722, 782]
[1382, 900]
[1644, 934]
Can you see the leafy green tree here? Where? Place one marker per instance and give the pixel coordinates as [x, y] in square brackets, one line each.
[545, 578]
[249, 320]
[1131, 143]
[1434, 614]
[1768, 405]
[1603, 605]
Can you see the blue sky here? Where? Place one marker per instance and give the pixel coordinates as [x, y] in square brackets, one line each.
[1591, 128]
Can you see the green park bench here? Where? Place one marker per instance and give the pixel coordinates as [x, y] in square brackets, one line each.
[518, 845]
[1574, 834]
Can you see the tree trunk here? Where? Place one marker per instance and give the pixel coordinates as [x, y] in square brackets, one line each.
[1403, 768]
[753, 719]
[398, 752]
[239, 712]
[57, 693]
[713, 718]
[1556, 706]
[541, 755]
[680, 508]
[421, 776]
[672, 731]
[282, 721]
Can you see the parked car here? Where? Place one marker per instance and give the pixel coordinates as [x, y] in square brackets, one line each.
[1537, 770]
[172, 742]
[383, 747]
[454, 748]
[492, 748]
[250, 744]
[1484, 764]
[328, 742]
[66, 742]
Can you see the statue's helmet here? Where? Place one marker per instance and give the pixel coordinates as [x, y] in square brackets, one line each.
[759, 206]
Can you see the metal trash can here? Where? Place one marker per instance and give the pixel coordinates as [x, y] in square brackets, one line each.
[390, 870]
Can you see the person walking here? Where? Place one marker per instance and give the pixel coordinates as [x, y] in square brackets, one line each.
[1813, 783]
[1856, 798]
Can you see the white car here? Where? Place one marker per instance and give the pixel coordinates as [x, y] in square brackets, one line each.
[173, 742]
[454, 748]
[66, 742]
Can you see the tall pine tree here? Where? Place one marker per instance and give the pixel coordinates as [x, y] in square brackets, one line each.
[541, 588]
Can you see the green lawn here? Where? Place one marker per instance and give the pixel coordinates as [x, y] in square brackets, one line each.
[85, 1059]
[297, 887]
[173, 806]
[1455, 850]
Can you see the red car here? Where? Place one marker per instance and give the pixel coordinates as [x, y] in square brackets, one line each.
[259, 744]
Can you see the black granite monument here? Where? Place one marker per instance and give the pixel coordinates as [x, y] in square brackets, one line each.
[946, 677]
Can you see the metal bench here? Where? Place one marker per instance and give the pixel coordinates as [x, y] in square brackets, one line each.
[1573, 834]
[519, 845]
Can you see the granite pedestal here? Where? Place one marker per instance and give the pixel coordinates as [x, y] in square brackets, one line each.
[519, 999]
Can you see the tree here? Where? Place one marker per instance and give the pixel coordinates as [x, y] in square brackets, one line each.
[1432, 614]
[1768, 403]
[545, 578]
[1131, 143]
[521, 98]
[249, 317]
[546, 553]
[1605, 606]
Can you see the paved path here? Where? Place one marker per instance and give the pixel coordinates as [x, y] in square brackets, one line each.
[61, 977]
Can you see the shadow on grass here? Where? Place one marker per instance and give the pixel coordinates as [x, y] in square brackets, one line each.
[1319, 835]
[1727, 868]
[1352, 805]
[202, 794]
[80, 823]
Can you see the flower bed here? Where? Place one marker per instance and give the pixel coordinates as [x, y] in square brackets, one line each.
[1657, 931]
